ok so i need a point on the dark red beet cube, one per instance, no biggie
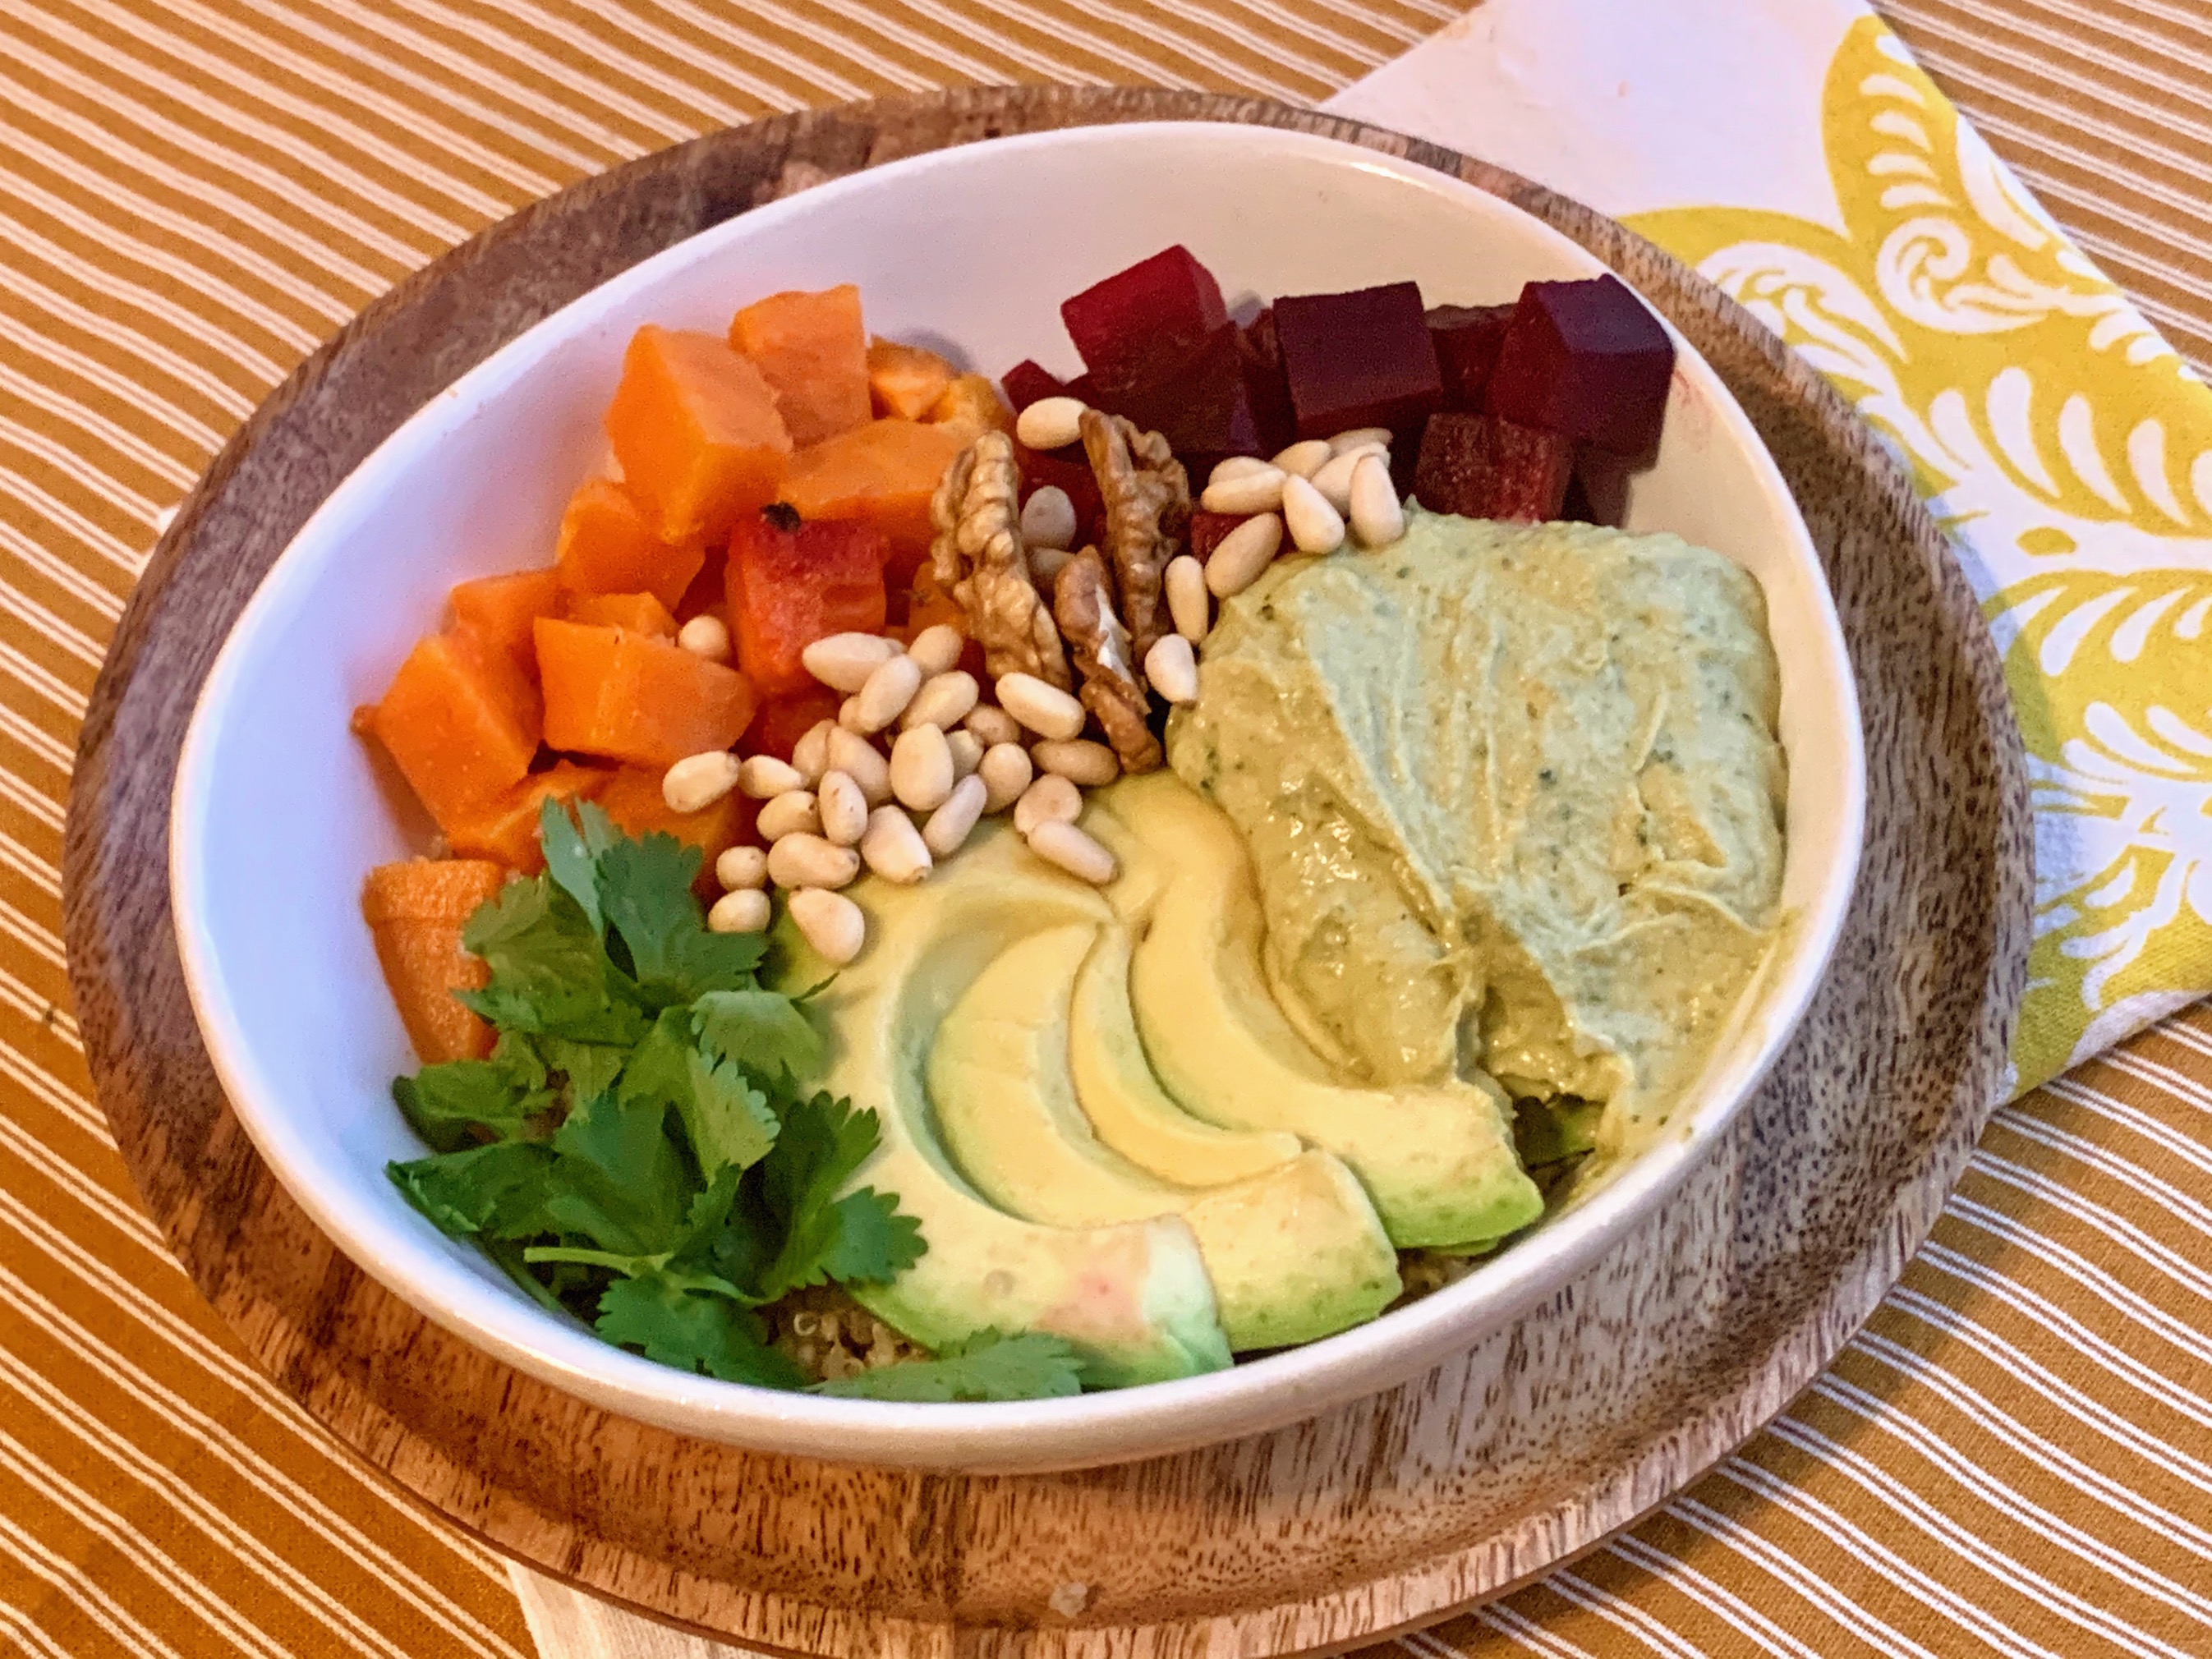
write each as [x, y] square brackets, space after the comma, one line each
[1071, 470]
[1467, 339]
[1261, 353]
[1588, 360]
[1025, 384]
[1359, 359]
[1207, 530]
[1168, 297]
[1192, 393]
[1599, 494]
[1481, 467]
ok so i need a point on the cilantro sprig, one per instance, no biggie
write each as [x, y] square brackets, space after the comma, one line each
[639, 1147]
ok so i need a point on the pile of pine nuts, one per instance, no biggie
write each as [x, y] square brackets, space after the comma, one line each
[896, 783]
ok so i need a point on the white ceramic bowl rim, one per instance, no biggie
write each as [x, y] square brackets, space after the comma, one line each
[1096, 1427]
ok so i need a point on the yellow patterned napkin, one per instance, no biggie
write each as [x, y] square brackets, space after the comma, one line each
[1794, 153]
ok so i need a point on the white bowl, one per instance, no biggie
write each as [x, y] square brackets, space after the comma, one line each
[277, 816]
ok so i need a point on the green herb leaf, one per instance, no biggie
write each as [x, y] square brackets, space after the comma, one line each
[728, 1120]
[764, 1030]
[590, 1067]
[443, 1102]
[861, 1237]
[500, 1190]
[621, 1183]
[571, 858]
[645, 887]
[550, 970]
[677, 1325]
[988, 1367]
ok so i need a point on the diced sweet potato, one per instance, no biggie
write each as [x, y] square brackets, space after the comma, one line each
[627, 697]
[1481, 467]
[507, 830]
[972, 404]
[641, 613]
[1588, 360]
[1467, 339]
[608, 546]
[782, 722]
[696, 427]
[1026, 383]
[791, 584]
[1167, 298]
[415, 912]
[929, 603]
[814, 353]
[632, 800]
[904, 380]
[882, 474]
[1359, 359]
[461, 720]
[499, 609]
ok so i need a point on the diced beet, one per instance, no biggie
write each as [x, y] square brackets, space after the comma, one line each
[1481, 467]
[1599, 494]
[1207, 531]
[1467, 339]
[1359, 359]
[1169, 297]
[1586, 359]
[1261, 354]
[1069, 470]
[1193, 394]
[1025, 383]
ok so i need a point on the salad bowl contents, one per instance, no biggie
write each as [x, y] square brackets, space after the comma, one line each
[932, 891]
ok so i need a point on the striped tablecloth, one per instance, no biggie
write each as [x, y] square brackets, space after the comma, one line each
[2014, 1457]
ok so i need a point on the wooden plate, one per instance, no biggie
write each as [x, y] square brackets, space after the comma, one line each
[1392, 1511]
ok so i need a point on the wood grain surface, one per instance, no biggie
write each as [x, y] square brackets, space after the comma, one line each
[1387, 1513]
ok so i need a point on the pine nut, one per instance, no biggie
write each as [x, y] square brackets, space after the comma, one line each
[844, 661]
[1187, 601]
[937, 647]
[1048, 519]
[810, 756]
[893, 847]
[741, 866]
[803, 860]
[1334, 480]
[1051, 799]
[793, 814]
[697, 781]
[1247, 492]
[1045, 565]
[1377, 518]
[1050, 422]
[862, 761]
[1073, 851]
[951, 824]
[967, 752]
[1303, 458]
[1005, 770]
[764, 777]
[1043, 707]
[992, 724]
[943, 702]
[707, 637]
[741, 910]
[844, 809]
[1244, 552]
[1359, 437]
[1080, 761]
[830, 922]
[1238, 466]
[1314, 525]
[885, 695]
[921, 769]
[1171, 668]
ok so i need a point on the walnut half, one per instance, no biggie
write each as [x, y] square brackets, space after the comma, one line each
[1148, 499]
[980, 559]
[1083, 603]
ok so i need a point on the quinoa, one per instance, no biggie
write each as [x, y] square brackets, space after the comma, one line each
[828, 1335]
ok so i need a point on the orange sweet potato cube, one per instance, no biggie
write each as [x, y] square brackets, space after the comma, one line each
[627, 696]
[695, 428]
[641, 613]
[506, 830]
[972, 404]
[415, 912]
[632, 800]
[812, 351]
[501, 609]
[905, 380]
[609, 545]
[461, 720]
[883, 474]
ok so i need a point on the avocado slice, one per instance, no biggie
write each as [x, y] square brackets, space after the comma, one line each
[1295, 1252]
[1132, 1296]
[1436, 1159]
[1127, 1106]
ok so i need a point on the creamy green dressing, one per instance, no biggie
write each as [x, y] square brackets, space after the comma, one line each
[1513, 797]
